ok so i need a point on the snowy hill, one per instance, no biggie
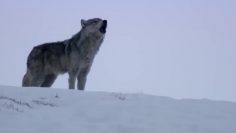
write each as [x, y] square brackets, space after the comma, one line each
[47, 110]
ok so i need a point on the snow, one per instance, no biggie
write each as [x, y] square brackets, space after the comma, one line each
[48, 110]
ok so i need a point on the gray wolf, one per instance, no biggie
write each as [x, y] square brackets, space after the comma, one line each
[73, 56]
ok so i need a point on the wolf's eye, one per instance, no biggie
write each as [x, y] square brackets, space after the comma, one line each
[94, 22]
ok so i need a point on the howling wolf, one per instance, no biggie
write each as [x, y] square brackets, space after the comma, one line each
[75, 56]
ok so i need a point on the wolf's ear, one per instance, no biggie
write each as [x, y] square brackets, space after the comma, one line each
[83, 22]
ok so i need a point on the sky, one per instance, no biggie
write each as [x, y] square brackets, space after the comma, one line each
[181, 49]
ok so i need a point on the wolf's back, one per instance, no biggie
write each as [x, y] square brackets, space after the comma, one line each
[43, 52]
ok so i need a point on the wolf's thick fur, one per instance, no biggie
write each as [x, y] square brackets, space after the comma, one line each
[74, 56]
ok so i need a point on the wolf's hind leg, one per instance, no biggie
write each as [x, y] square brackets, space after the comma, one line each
[26, 80]
[49, 80]
[37, 80]
[32, 79]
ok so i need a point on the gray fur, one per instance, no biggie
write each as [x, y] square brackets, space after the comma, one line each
[73, 56]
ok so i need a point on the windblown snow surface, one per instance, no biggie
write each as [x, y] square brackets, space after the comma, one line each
[47, 110]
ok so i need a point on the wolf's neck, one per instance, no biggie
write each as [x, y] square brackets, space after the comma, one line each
[76, 38]
[86, 43]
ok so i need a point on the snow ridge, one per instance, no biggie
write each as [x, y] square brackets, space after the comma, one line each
[50, 110]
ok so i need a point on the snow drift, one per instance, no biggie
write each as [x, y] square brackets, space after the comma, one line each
[47, 110]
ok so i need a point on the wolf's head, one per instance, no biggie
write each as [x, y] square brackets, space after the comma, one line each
[95, 26]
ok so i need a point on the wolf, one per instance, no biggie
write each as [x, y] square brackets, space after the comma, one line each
[73, 56]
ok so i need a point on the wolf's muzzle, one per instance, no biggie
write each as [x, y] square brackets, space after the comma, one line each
[104, 26]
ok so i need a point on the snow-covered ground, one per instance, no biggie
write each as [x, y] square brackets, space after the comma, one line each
[47, 110]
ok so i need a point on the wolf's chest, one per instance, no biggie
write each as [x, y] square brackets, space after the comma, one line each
[88, 51]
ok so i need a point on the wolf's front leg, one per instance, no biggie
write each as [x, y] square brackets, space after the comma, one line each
[82, 77]
[72, 78]
[81, 83]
